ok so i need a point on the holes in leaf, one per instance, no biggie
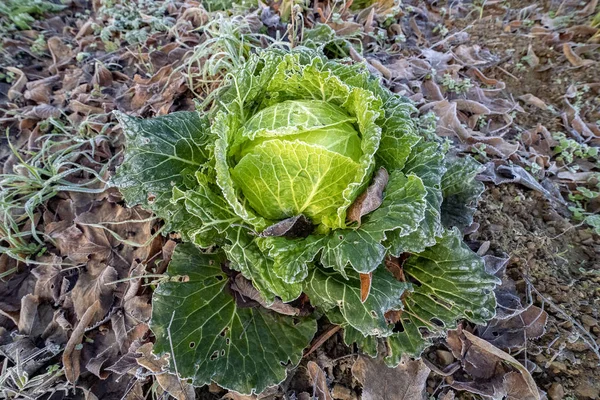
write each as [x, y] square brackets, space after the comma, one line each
[192, 345]
[373, 314]
[437, 322]
[222, 353]
[219, 277]
[224, 332]
[295, 321]
[398, 327]
[414, 281]
[214, 355]
[341, 237]
[227, 341]
[425, 333]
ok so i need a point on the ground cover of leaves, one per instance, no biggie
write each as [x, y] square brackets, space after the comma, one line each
[515, 83]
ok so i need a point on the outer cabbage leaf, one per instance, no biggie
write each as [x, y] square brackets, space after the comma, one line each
[402, 211]
[210, 338]
[328, 289]
[254, 264]
[367, 344]
[461, 191]
[161, 154]
[292, 257]
[427, 162]
[451, 284]
[399, 135]
[281, 179]
[211, 209]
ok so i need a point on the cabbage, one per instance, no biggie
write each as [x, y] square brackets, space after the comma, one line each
[267, 185]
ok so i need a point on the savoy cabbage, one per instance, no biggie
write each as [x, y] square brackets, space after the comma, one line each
[267, 184]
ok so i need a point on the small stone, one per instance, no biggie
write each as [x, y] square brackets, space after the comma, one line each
[307, 396]
[557, 367]
[586, 391]
[588, 321]
[342, 392]
[446, 358]
[556, 391]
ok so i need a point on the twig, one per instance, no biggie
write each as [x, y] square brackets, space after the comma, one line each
[584, 334]
[451, 369]
[323, 338]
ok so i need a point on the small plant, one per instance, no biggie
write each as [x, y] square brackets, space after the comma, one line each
[132, 21]
[20, 14]
[308, 182]
[458, 86]
[568, 149]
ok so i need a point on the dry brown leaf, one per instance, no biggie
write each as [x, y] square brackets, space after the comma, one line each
[513, 333]
[370, 199]
[50, 284]
[485, 363]
[534, 101]
[169, 382]
[573, 58]
[365, 286]
[449, 124]
[319, 382]
[62, 54]
[11, 293]
[35, 316]
[244, 287]
[18, 85]
[43, 111]
[405, 382]
[93, 287]
[71, 355]
[532, 59]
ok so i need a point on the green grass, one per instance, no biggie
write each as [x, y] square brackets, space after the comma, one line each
[228, 46]
[61, 162]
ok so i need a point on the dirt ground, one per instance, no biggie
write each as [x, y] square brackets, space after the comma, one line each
[553, 260]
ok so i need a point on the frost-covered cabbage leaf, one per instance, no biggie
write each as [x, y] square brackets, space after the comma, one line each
[267, 185]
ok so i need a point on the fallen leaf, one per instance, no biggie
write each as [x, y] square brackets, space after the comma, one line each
[18, 85]
[534, 101]
[319, 382]
[299, 226]
[513, 333]
[502, 173]
[573, 58]
[370, 199]
[71, 355]
[62, 54]
[485, 363]
[407, 381]
[169, 382]
[365, 286]
[93, 286]
[244, 287]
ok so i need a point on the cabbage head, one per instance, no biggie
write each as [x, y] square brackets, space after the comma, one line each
[308, 181]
